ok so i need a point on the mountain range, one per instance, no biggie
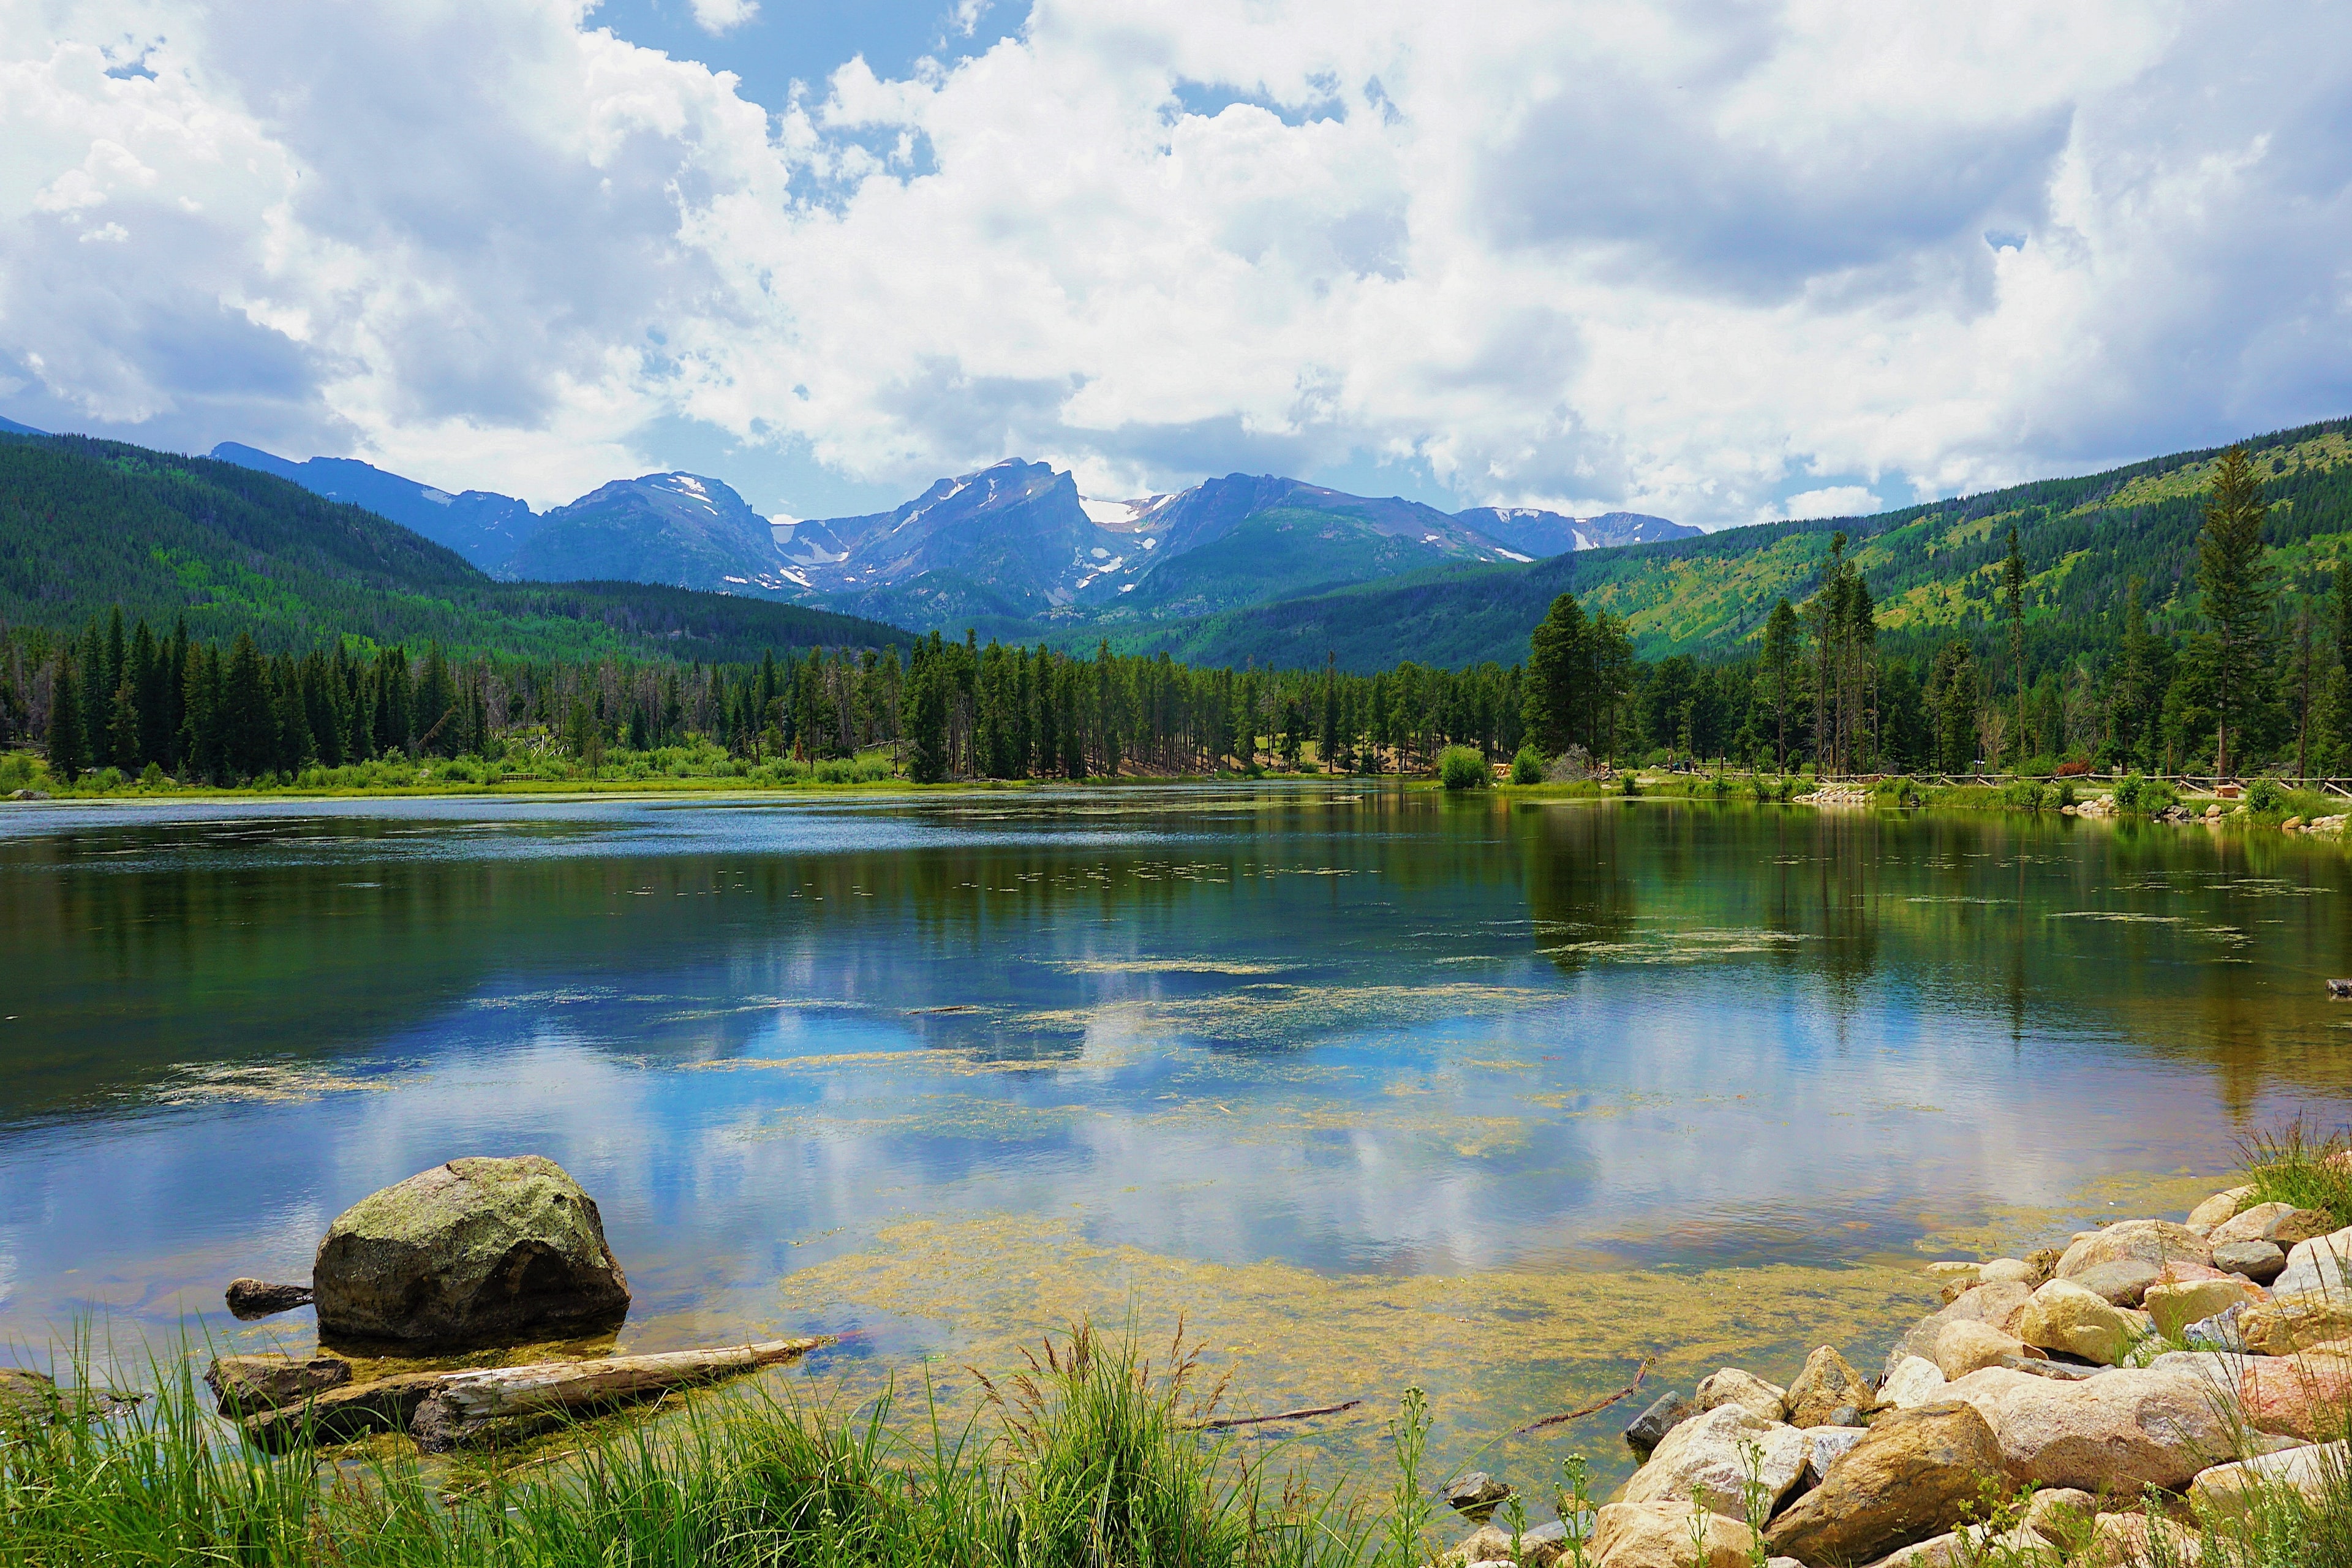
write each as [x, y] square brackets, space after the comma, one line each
[1013, 548]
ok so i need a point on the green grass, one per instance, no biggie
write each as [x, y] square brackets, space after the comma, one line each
[2290, 1166]
[1093, 1457]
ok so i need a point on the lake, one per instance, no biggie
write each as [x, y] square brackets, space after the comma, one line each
[1375, 1085]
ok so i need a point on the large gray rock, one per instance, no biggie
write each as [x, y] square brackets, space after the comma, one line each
[2111, 1434]
[473, 1252]
[2260, 1261]
[245, 1384]
[2322, 1266]
[1648, 1429]
[1765, 1401]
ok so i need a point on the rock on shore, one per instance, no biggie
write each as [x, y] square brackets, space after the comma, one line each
[477, 1251]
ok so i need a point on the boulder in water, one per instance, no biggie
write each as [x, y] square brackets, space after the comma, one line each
[474, 1252]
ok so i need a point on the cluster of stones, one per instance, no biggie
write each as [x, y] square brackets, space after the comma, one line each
[2042, 1377]
[2316, 824]
[1840, 794]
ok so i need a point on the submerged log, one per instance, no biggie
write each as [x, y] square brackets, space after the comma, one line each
[246, 1384]
[465, 1405]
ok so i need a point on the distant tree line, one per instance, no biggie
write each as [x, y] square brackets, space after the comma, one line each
[2245, 687]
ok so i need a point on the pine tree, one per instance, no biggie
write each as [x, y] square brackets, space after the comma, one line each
[2232, 581]
[69, 745]
[1559, 695]
[122, 745]
[248, 724]
[2012, 583]
[1780, 634]
[146, 675]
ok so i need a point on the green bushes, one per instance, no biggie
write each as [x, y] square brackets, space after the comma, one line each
[2144, 796]
[2022, 794]
[1527, 767]
[2262, 796]
[1463, 767]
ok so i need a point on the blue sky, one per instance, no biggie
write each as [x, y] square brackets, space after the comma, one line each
[1713, 262]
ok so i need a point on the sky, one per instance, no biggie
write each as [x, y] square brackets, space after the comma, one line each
[1720, 262]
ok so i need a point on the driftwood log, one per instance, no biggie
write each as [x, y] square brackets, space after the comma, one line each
[520, 1399]
[251, 1299]
[339, 1415]
[443, 1410]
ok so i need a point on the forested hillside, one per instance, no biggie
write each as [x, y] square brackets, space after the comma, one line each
[87, 526]
[1930, 569]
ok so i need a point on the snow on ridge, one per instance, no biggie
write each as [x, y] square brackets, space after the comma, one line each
[438, 497]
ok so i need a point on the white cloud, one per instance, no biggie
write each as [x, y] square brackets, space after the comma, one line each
[1834, 500]
[717, 17]
[1590, 255]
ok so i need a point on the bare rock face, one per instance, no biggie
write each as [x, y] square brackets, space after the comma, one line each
[2063, 1316]
[2155, 1241]
[474, 1252]
[1964, 1347]
[2302, 1396]
[1996, 1304]
[2175, 1307]
[245, 1384]
[1658, 1535]
[2322, 1266]
[1704, 1461]
[2235, 1489]
[1913, 1477]
[2282, 1225]
[2289, 1323]
[1765, 1401]
[2260, 1261]
[1829, 1393]
[2217, 1210]
[2114, 1432]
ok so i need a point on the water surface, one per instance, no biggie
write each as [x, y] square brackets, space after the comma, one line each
[1377, 1086]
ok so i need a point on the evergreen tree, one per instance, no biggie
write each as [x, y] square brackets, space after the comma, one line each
[69, 743]
[123, 744]
[1780, 691]
[2233, 585]
[927, 713]
[2013, 582]
[249, 725]
[1559, 689]
[147, 674]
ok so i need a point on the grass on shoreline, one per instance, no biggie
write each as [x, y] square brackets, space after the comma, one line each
[1094, 1456]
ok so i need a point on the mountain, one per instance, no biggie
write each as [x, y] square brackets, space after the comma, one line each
[1540, 533]
[1014, 540]
[680, 529]
[1015, 547]
[10, 427]
[483, 527]
[85, 525]
[1933, 569]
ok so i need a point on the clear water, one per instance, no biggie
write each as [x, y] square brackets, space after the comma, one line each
[1378, 1087]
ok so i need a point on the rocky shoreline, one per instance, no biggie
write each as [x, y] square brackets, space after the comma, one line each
[2095, 1405]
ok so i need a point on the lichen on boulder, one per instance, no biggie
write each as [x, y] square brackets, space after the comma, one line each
[474, 1252]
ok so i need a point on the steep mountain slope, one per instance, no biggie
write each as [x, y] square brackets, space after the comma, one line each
[1017, 543]
[480, 525]
[10, 427]
[1934, 570]
[85, 525]
[1540, 533]
[680, 529]
[1010, 540]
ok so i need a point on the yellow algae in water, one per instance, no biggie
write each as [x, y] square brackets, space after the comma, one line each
[1496, 1350]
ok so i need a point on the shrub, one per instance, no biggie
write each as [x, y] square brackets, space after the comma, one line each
[2262, 796]
[1527, 767]
[2022, 794]
[2075, 769]
[1461, 767]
